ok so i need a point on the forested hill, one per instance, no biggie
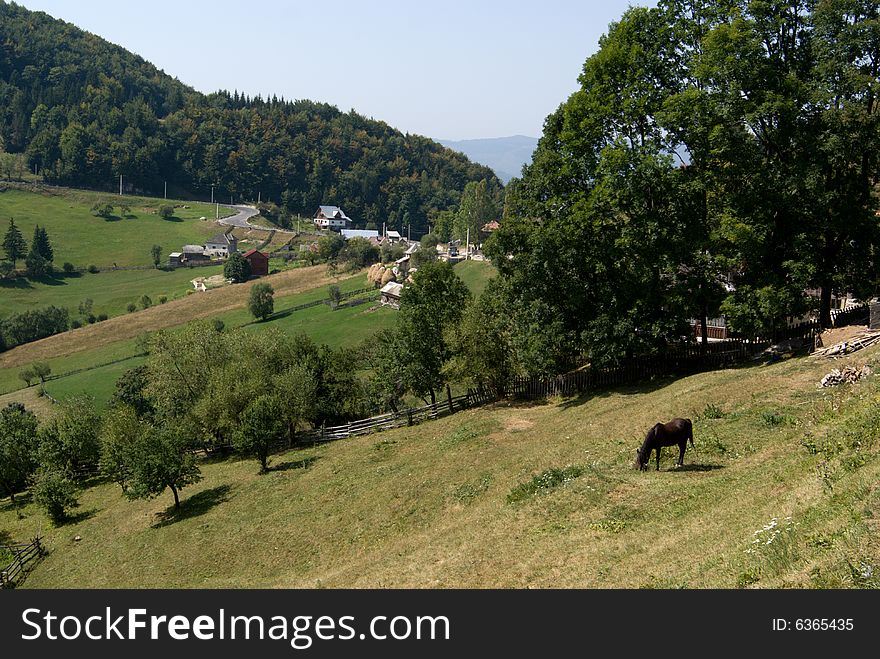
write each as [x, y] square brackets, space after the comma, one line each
[85, 111]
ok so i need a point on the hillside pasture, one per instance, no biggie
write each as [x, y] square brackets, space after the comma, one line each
[431, 505]
[81, 238]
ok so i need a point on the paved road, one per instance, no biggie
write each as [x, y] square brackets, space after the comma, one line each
[245, 213]
[240, 219]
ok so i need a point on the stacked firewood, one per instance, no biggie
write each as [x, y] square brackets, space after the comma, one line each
[850, 374]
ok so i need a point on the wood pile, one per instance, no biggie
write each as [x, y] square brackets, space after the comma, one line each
[850, 374]
[857, 342]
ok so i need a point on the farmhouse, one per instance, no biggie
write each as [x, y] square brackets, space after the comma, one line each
[223, 244]
[390, 294]
[189, 255]
[331, 217]
[258, 261]
[393, 236]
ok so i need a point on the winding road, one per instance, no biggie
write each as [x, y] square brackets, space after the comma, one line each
[242, 217]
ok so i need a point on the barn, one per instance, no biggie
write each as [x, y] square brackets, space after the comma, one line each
[259, 262]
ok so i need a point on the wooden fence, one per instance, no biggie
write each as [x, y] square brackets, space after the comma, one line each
[14, 573]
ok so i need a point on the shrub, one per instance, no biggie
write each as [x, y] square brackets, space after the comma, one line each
[131, 307]
[55, 493]
[102, 210]
[76, 323]
[163, 299]
[545, 481]
[146, 302]
[91, 319]
[93, 269]
[102, 317]
[68, 267]
[166, 212]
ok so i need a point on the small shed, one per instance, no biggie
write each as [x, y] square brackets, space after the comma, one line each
[875, 315]
[258, 261]
[390, 294]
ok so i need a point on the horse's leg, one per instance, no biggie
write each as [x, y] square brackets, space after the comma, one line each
[681, 450]
[658, 458]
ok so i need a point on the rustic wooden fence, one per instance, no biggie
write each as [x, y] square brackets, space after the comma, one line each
[23, 554]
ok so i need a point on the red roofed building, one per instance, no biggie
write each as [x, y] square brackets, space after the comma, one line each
[259, 262]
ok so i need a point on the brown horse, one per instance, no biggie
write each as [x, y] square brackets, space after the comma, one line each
[678, 431]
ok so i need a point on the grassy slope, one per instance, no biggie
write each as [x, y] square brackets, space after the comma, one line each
[475, 274]
[110, 291]
[81, 238]
[427, 506]
[97, 345]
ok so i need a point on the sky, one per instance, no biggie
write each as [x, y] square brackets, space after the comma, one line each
[455, 69]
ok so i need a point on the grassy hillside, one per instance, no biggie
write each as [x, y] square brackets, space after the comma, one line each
[82, 239]
[92, 347]
[110, 291]
[454, 502]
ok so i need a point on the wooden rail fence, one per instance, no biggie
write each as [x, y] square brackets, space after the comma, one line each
[14, 573]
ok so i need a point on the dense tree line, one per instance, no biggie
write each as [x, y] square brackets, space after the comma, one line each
[89, 111]
[718, 157]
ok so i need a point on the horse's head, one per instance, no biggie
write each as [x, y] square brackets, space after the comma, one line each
[643, 454]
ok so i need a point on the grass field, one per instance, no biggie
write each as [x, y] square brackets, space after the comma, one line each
[475, 274]
[110, 291]
[82, 239]
[522, 495]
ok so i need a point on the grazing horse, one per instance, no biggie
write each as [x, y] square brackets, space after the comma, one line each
[677, 431]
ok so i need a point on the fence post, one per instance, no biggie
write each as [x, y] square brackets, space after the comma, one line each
[449, 398]
[409, 416]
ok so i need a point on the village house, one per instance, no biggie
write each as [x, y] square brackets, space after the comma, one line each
[223, 244]
[258, 261]
[331, 217]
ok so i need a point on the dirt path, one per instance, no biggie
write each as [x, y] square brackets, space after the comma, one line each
[177, 312]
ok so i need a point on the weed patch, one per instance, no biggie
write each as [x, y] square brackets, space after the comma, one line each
[542, 482]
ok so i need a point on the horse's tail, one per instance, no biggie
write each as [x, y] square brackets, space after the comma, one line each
[691, 434]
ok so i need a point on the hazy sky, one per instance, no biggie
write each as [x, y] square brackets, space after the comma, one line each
[455, 69]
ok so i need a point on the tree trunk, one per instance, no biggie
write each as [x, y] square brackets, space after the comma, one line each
[176, 497]
[825, 307]
[264, 463]
[433, 397]
[704, 326]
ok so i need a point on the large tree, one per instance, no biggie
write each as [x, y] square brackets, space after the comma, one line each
[14, 243]
[18, 447]
[415, 352]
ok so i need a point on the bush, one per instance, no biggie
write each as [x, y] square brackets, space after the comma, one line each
[102, 210]
[68, 267]
[131, 307]
[76, 323]
[91, 319]
[163, 299]
[55, 493]
[146, 302]
[102, 317]
[93, 269]
[166, 212]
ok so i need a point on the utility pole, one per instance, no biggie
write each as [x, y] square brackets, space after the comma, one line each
[218, 212]
[212, 193]
[120, 185]
[408, 227]
[259, 197]
[166, 189]
[467, 249]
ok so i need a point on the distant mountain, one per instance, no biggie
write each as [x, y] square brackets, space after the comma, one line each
[84, 112]
[505, 155]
